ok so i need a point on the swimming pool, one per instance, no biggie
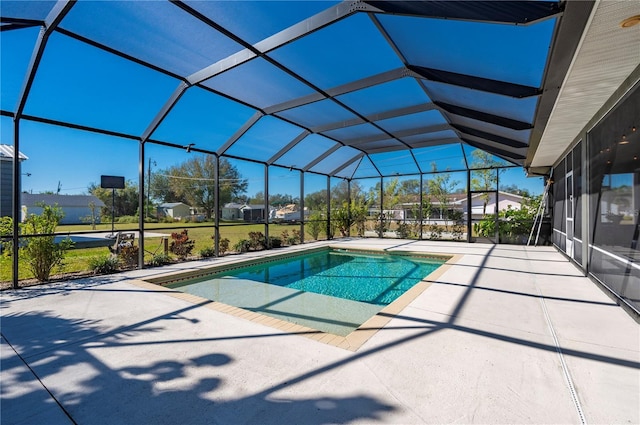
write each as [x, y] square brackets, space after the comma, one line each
[333, 291]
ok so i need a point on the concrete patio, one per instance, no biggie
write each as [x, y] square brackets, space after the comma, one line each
[507, 334]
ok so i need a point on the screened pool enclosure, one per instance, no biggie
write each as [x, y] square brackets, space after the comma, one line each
[418, 114]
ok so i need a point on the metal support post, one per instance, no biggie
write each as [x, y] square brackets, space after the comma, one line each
[497, 213]
[266, 205]
[381, 228]
[16, 201]
[302, 217]
[420, 209]
[469, 209]
[216, 203]
[349, 206]
[329, 235]
[141, 205]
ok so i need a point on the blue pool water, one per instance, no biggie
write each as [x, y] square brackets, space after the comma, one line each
[333, 291]
[374, 279]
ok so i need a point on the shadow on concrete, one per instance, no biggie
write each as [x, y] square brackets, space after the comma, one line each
[181, 390]
[186, 390]
[526, 294]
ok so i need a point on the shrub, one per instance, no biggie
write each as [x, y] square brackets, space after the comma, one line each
[103, 264]
[257, 241]
[242, 245]
[403, 231]
[295, 238]
[181, 245]
[332, 229]
[348, 215]
[458, 227]
[159, 260]
[314, 225]
[435, 232]
[42, 253]
[128, 219]
[128, 255]
[6, 231]
[223, 246]
[275, 242]
[382, 224]
[341, 219]
[514, 224]
[207, 252]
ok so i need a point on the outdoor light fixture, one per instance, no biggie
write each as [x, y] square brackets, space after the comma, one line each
[629, 22]
[189, 146]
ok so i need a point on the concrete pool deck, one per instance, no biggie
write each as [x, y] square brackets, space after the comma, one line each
[507, 334]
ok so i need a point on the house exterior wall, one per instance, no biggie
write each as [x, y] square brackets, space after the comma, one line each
[6, 188]
[478, 210]
[231, 213]
[75, 208]
[174, 211]
[595, 200]
[179, 211]
[72, 215]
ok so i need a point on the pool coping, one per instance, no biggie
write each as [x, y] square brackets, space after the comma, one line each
[351, 342]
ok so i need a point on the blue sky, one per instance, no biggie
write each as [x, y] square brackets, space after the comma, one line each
[86, 86]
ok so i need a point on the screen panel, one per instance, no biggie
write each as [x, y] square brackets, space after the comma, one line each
[335, 62]
[203, 118]
[156, 32]
[516, 54]
[108, 92]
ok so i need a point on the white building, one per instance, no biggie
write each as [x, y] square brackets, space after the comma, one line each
[6, 179]
[77, 209]
[176, 210]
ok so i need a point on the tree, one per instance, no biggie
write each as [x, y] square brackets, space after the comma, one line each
[92, 218]
[161, 188]
[512, 188]
[340, 193]
[316, 200]
[485, 174]
[194, 182]
[257, 199]
[409, 189]
[277, 200]
[391, 193]
[126, 200]
[440, 186]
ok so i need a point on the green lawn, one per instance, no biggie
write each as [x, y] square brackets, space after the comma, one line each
[77, 260]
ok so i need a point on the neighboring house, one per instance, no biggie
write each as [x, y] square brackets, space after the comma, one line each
[232, 211]
[176, 210]
[478, 210]
[457, 202]
[290, 212]
[6, 179]
[76, 208]
[255, 213]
